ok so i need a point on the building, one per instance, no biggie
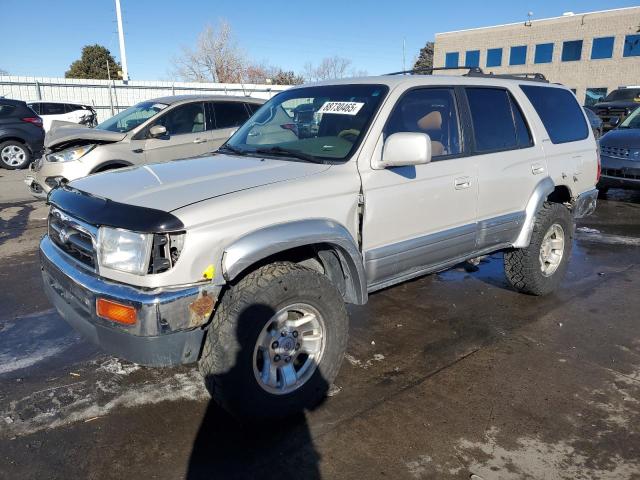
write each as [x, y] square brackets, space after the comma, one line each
[591, 53]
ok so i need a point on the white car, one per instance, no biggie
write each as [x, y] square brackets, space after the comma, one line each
[64, 112]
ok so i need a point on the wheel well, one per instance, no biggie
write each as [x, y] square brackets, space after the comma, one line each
[16, 139]
[560, 194]
[110, 166]
[323, 258]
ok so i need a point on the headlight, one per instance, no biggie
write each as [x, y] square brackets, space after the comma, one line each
[124, 250]
[70, 154]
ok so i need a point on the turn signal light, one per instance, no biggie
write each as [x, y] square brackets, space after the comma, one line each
[116, 312]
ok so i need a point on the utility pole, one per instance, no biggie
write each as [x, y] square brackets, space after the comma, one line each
[404, 47]
[123, 53]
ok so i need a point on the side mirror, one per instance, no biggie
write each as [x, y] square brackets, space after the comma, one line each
[157, 131]
[406, 148]
[614, 121]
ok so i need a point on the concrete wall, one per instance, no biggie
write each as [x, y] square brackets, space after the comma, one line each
[579, 75]
[108, 97]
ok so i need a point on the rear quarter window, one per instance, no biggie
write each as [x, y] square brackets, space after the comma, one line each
[6, 110]
[559, 111]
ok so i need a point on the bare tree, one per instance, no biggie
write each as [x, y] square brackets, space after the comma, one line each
[329, 68]
[3, 72]
[215, 58]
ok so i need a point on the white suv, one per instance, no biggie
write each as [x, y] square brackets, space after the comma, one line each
[243, 261]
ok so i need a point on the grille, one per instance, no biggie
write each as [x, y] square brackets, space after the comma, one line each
[617, 152]
[74, 237]
[615, 172]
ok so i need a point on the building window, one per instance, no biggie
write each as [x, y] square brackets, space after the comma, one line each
[571, 50]
[631, 46]
[494, 57]
[451, 59]
[594, 95]
[518, 55]
[544, 53]
[472, 58]
[602, 48]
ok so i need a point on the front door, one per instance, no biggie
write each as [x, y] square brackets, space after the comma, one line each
[186, 134]
[419, 217]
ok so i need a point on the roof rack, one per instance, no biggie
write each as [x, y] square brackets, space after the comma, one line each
[477, 72]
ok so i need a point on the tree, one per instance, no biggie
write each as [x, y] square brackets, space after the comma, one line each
[282, 77]
[425, 57]
[3, 72]
[93, 64]
[215, 58]
[328, 69]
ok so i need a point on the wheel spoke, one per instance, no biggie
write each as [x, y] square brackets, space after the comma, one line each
[269, 371]
[288, 375]
[299, 322]
[312, 343]
[557, 243]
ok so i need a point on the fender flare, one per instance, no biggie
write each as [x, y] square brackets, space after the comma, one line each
[540, 193]
[262, 243]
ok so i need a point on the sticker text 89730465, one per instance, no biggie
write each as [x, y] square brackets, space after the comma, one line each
[341, 108]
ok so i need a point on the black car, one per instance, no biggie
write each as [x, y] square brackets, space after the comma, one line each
[21, 134]
[620, 155]
[617, 106]
[594, 121]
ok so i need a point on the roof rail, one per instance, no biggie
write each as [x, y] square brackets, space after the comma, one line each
[533, 76]
[430, 70]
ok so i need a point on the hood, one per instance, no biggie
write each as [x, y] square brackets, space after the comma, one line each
[75, 135]
[622, 137]
[169, 186]
[617, 104]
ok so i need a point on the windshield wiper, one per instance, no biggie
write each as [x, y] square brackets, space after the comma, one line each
[229, 148]
[286, 152]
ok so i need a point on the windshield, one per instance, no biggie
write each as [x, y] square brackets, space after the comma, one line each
[632, 121]
[132, 117]
[624, 94]
[310, 123]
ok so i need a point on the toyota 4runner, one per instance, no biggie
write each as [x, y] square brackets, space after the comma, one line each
[243, 261]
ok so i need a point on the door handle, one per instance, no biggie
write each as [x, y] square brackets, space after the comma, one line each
[461, 183]
[200, 140]
[537, 169]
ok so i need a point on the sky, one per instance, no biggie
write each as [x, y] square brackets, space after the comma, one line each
[43, 37]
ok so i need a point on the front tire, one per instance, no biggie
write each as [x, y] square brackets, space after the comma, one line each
[539, 268]
[276, 342]
[14, 155]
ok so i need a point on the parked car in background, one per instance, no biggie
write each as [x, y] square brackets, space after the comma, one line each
[595, 121]
[21, 134]
[620, 155]
[157, 130]
[617, 106]
[64, 112]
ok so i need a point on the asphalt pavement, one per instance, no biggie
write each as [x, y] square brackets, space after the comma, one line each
[446, 376]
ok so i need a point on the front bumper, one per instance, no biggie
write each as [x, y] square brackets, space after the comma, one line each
[44, 175]
[619, 173]
[164, 333]
[585, 203]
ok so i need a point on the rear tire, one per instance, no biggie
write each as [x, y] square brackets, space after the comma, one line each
[250, 337]
[539, 268]
[14, 155]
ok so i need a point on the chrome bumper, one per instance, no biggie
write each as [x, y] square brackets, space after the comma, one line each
[585, 203]
[169, 328]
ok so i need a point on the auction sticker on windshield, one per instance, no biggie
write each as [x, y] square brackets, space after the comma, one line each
[341, 108]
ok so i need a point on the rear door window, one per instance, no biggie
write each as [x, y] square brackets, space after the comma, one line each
[230, 114]
[6, 110]
[35, 107]
[52, 108]
[492, 120]
[559, 111]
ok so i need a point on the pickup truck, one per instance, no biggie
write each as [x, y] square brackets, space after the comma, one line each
[244, 260]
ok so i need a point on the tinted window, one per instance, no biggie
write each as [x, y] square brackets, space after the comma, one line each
[451, 59]
[602, 48]
[432, 111]
[52, 108]
[72, 107]
[595, 95]
[518, 55]
[523, 135]
[494, 57]
[183, 119]
[472, 58]
[6, 110]
[493, 125]
[230, 114]
[559, 111]
[631, 46]
[571, 50]
[544, 53]
[253, 107]
[35, 107]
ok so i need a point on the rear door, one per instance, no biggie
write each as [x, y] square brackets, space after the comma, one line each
[50, 111]
[228, 116]
[510, 165]
[186, 134]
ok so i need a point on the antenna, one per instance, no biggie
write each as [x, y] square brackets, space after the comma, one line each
[527, 23]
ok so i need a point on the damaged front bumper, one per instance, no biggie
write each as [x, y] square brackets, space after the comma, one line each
[170, 324]
[585, 204]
